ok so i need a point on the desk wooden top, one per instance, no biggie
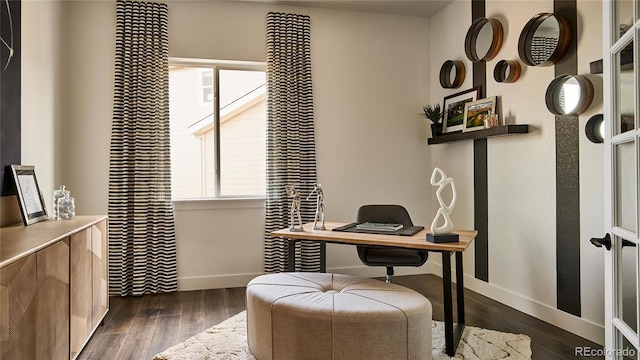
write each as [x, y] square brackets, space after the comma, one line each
[417, 241]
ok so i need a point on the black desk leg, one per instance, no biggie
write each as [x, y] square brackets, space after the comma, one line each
[460, 289]
[448, 303]
[291, 255]
[452, 335]
[323, 257]
[457, 335]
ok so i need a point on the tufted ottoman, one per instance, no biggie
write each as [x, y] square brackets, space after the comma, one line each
[307, 316]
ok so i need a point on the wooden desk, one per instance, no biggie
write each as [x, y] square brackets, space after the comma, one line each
[417, 241]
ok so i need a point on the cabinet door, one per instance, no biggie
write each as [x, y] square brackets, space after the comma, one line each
[18, 287]
[52, 302]
[81, 290]
[100, 271]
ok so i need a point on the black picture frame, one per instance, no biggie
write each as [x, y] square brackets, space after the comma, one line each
[453, 109]
[32, 205]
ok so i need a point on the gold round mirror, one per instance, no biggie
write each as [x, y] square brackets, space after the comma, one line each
[544, 40]
[507, 71]
[483, 40]
[569, 95]
[452, 74]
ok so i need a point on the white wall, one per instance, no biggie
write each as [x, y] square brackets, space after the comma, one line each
[41, 100]
[521, 171]
[370, 82]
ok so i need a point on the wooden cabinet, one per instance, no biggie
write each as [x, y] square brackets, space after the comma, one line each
[89, 297]
[53, 287]
[99, 261]
[81, 290]
[18, 288]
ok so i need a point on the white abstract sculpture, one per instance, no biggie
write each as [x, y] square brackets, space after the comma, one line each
[294, 212]
[438, 178]
[319, 216]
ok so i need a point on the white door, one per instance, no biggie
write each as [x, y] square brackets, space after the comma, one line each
[621, 28]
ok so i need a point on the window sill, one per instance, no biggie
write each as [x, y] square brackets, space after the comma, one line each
[219, 203]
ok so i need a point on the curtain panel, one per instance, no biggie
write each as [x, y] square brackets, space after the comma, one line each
[142, 249]
[291, 157]
[542, 48]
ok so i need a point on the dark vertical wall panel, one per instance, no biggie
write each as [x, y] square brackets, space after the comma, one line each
[481, 201]
[568, 181]
[9, 92]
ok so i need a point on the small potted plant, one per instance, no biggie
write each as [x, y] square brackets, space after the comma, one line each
[435, 114]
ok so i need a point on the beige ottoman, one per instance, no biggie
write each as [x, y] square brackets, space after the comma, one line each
[307, 316]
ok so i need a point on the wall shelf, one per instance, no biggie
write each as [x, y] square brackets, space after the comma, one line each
[480, 134]
[626, 61]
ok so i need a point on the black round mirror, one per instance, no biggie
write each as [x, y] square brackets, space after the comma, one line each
[452, 74]
[507, 71]
[483, 40]
[595, 129]
[569, 95]
[544, 40]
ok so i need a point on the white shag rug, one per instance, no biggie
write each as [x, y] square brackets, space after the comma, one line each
[228, 341]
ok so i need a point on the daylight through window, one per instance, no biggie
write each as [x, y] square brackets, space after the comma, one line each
[218, 128]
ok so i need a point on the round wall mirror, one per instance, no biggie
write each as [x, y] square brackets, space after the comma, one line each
[483, 40]
[569, 95]
[507, 71]
[595, 129]
[452, 74]
[544, 40]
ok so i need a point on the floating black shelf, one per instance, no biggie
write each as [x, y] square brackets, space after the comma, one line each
[479, 134]
[626, 62]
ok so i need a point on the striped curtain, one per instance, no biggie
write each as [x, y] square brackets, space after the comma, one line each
[291, 157]
[142, 249]
[542, 48]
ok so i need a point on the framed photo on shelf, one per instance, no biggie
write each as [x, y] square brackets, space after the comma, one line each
[32, 205]
[476, 112]
[453, 108]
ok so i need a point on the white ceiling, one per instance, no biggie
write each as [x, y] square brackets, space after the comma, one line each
[422, 8]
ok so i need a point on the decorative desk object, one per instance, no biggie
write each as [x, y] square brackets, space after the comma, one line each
[294, 212]
[63, 204]
[319, 207]
[442, 234]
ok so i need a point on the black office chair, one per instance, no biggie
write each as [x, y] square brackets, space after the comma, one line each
[387, 256]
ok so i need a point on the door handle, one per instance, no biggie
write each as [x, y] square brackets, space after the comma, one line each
[605, 241]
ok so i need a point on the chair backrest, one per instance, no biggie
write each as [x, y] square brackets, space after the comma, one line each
[390, 214]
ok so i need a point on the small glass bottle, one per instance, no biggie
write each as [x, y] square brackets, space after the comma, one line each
[58, 196]
[68, 207]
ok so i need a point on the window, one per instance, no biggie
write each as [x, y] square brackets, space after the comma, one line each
[218, 129]
[207, 86]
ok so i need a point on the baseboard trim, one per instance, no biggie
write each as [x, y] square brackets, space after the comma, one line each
[241, 280]
[576, 325]
[215, 282]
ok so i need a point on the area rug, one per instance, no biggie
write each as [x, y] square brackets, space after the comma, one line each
[228, 341]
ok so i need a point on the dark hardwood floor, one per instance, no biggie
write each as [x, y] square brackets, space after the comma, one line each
[140, 327]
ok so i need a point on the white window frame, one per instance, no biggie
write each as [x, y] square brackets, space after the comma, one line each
[218, 65]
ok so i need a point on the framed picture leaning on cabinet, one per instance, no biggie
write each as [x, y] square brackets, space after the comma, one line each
[32, 205]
